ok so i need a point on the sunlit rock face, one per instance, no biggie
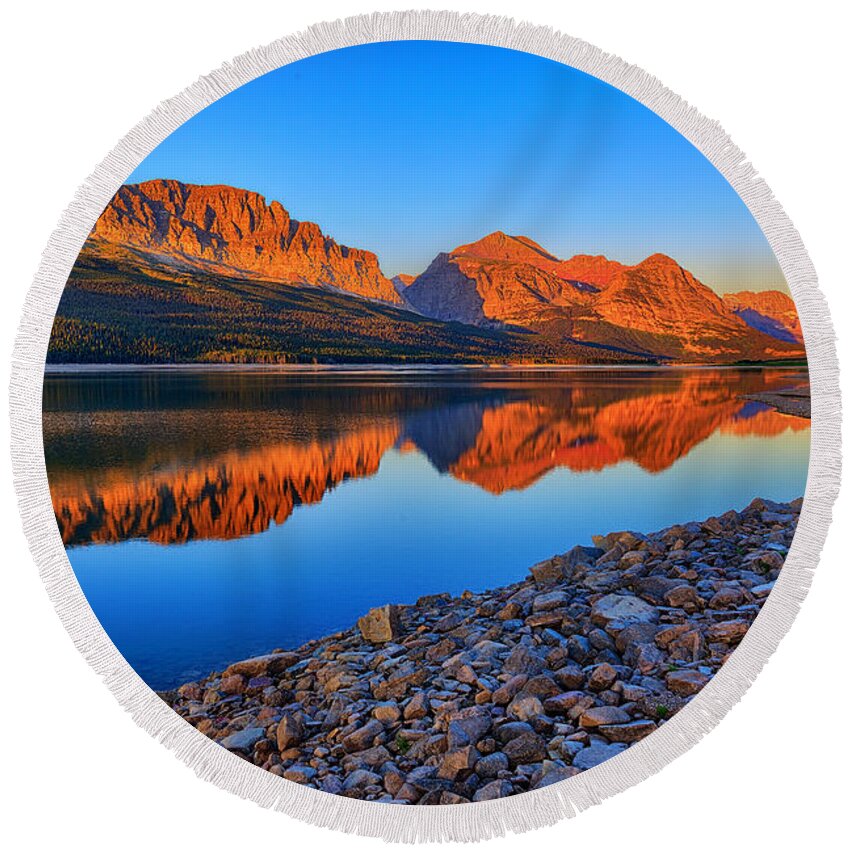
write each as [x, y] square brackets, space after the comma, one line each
[167, 258]
[772, 312]
[656, 306]
[220, 228]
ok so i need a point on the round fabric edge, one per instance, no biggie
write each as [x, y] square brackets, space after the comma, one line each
[428, 823]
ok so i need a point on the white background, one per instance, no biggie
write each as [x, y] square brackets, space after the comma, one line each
[77, 76]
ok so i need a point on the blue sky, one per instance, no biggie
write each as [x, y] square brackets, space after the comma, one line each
[412, 148]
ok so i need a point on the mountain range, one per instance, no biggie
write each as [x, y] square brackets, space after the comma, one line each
[174, 272]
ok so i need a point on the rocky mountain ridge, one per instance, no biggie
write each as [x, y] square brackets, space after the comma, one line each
[223, 229]
[655, 306]
[572, 310]
[771, 311]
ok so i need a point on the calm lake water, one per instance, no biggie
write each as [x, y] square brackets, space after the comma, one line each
[211, 515]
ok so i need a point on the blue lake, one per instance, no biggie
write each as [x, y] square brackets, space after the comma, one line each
[210, 515]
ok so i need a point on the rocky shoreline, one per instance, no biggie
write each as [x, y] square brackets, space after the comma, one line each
[792, 402]
[486, 695]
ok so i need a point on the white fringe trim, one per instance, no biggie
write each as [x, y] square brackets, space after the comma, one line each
[426, 823]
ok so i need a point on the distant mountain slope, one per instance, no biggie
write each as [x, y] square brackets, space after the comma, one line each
[659, 296]
[402, 281]
[118, 309]
[503, 279]
[771, 312]
[227, 230]
[655, 307]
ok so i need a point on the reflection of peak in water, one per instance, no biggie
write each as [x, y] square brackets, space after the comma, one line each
[499, 442]
[519, 443]
[236, 494]
[445, 433]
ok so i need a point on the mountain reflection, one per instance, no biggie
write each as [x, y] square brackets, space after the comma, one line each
[173, 457]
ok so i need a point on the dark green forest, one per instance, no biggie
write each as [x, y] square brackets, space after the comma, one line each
[114, 310]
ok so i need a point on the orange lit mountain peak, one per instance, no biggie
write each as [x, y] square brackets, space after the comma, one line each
[227, 230]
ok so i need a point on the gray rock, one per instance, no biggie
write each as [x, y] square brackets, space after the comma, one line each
[523, 660]
[582, 555]
[362, 738]
[302, 774]
[525, 749]
[549, 601]
[569, 677]
[644, 657]
[579, 648]
[570, 749]
[490, 766]
[654, 588]
[474, 722]
[552, 773]
[508, 731]
[360, 779]
[594, 755]
[448, 622]
[332, 785]
[625, 609]
[243, 740]
[493, 791]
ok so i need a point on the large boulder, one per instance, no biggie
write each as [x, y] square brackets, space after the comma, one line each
[491, 766]
[290, 732]
[525, 706]
[380, 625]
[362, 738]
[730, 631]
[582, 555]
[262, 665]
[244, 740]
[627, 733]
[548, 572]
[525, 749]
[458, 763]
[603, 715]
[622, 609]
[551, 772]
[495, 790]
[550, 601]
[686, 682]
[596, 754]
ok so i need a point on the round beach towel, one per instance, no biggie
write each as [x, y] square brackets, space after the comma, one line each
[426, 425]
